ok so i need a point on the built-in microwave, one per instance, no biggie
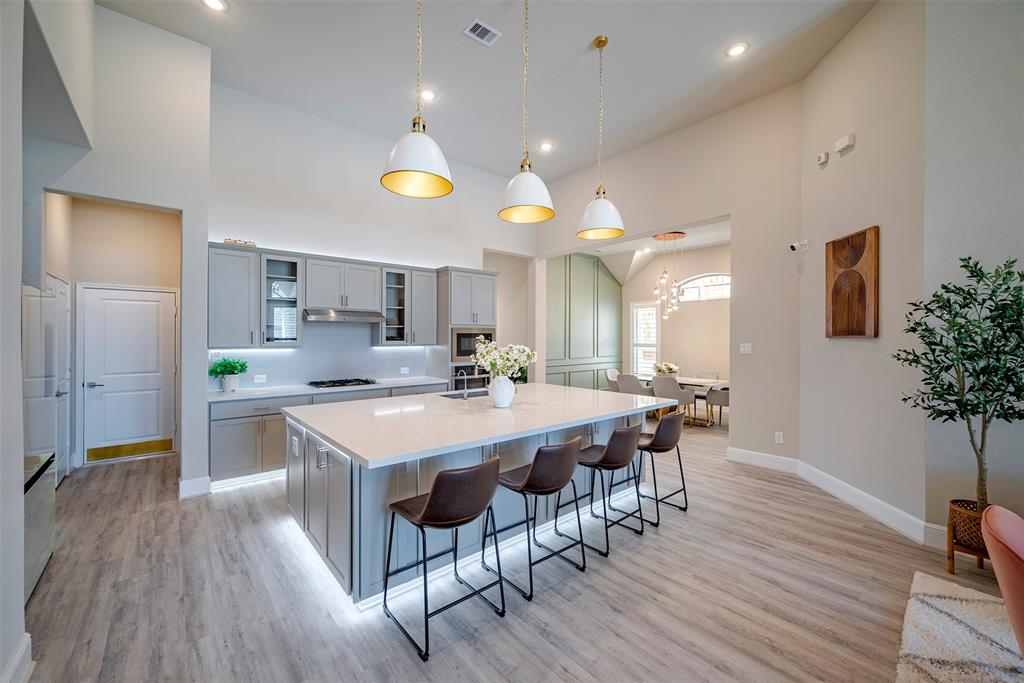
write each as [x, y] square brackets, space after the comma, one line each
[464, 341]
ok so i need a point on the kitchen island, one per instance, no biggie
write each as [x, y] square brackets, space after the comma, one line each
[348, 461]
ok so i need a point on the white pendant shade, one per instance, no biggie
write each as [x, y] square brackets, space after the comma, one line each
[416, 167]
[601, 221]
[527, 200]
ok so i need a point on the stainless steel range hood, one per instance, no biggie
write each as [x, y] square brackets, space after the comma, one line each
[335, 315]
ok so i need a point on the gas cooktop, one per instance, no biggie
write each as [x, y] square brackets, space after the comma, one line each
[328, 383]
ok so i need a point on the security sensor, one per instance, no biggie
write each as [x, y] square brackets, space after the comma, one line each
[800, 245]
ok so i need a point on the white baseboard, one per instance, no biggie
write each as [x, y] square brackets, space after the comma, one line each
[893, 517]
[766, 460]
[187, 488]
[19, 667]
[935, 535]
[247, 479]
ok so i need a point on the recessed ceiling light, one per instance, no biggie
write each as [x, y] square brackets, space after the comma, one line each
[216, 5]
[736, 49]
[547, 146]
[427, 95]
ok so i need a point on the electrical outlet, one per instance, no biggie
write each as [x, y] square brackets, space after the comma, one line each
[779, 438]
[404, 371]
[215, 355]
[259, 379]
[746, 348]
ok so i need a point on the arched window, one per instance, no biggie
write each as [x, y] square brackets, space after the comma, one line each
[706, 287]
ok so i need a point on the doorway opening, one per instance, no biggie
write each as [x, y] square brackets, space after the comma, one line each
[114, 276]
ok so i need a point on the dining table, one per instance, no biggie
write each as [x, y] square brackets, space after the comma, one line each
[699, 384]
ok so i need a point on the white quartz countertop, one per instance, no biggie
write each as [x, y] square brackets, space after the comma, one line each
[387, 431]
[306, 390]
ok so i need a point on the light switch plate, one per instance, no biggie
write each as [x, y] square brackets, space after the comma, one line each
[404, 371]
[746, 348]
[259, 379]
[779, 438]
[215, 355]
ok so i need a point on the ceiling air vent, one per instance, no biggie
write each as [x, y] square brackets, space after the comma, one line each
[482, 33]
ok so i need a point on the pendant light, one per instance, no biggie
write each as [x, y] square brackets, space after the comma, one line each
[601, 220]
[416, 166]
[527, 199]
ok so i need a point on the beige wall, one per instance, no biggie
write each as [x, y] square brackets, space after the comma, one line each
[58, 235]
[974, 204]
[513, 279]
[743, 164]
[852, 422]
[696, 337]
[124, 245]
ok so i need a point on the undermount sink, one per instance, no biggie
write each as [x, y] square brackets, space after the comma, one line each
[472, 394]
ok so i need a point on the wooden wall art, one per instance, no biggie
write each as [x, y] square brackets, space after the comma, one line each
[851, 285]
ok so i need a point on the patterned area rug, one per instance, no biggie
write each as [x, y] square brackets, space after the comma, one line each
[952, 633]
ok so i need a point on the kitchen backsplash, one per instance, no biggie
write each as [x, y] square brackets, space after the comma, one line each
[328, 351]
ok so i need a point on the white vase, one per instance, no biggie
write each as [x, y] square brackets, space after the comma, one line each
[502, 392]
[229, 382]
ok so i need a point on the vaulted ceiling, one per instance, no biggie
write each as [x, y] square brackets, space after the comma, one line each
[354, 63]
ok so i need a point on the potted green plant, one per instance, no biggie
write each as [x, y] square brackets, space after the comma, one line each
[971, 352]
[229, 370]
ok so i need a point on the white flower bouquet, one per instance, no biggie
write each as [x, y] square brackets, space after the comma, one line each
[503, 361]
[666, 368]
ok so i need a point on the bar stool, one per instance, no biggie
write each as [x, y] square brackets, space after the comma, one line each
[550, 472]
[665, 438]
[456, 498]
[618, 454]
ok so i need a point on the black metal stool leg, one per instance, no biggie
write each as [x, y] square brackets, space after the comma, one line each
[639, 507]
[655, 498]
[422, 652]
[425, 653]
[593, 473]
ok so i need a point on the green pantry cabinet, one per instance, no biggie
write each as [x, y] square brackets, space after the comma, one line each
[584, 321]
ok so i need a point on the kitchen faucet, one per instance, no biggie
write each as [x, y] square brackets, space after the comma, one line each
[465, 384]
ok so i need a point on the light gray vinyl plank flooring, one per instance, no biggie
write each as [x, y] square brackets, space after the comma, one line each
[765, 578]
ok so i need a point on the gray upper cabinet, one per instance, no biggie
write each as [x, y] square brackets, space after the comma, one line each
[473, 299]
[325, 281]
[233, 299]
[362, 287]
[422, 307]
[281, 301]
[337, 284]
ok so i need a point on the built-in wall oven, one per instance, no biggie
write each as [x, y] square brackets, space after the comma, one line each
[464, 341]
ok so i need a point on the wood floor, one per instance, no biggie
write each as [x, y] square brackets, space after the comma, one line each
[765, 578]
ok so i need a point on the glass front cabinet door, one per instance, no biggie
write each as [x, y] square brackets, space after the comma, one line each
[281, 280]
[396, 307]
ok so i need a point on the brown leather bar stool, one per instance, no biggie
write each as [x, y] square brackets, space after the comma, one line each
[618, 454]
[550, 472]
[456, 498]
[665, 438]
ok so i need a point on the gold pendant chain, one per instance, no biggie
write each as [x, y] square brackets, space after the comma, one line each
[419, 56]
[526, 78]
[600, 114]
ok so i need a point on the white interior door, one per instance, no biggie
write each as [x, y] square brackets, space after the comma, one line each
[38, 370]
[61, 339]
[128, 368]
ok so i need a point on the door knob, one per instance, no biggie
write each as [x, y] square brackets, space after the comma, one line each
[93, 385]
[60, 393]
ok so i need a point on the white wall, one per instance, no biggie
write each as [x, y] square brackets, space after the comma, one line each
[973, 203]
[696, 337]
[150, 146]
[15, 645]
[57, 243]
[513, 297]
[67, 27]
[743, 163]
[289, 180]
[852, 422]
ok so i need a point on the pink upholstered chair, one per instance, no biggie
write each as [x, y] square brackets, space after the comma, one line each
[1004, 538]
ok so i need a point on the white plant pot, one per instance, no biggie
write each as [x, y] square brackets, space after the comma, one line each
[229, 382]
[502, 392]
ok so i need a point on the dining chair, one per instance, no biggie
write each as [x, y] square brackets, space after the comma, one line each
[668, 387]
[718, 395]
[630, 384]
[611, 375]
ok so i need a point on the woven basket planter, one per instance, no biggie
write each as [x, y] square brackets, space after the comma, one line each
[963, 533]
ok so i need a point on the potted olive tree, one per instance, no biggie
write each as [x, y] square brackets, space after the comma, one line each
[229, 370]
[971, 353]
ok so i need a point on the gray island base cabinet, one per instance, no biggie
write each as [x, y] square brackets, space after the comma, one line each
[346, 513]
